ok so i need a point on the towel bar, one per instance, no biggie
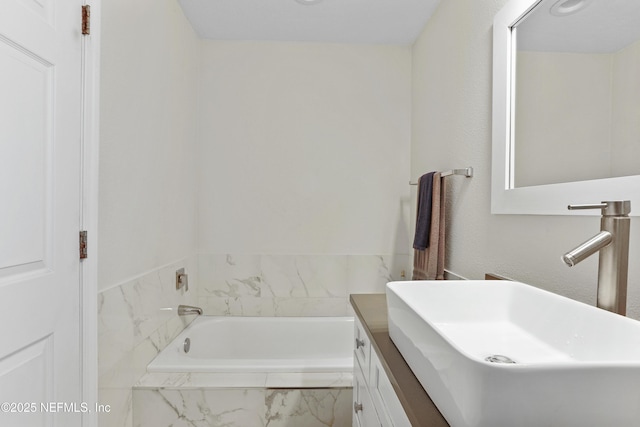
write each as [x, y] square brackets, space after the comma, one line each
[467, 172]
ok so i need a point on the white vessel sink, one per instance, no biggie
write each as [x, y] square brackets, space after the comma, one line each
[574, 364]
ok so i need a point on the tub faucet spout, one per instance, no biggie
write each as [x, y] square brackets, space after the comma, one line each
[186, 310]
[613, 244]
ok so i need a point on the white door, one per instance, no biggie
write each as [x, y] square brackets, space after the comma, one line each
[40, 133]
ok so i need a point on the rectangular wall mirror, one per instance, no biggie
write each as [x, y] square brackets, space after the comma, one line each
[566, 105]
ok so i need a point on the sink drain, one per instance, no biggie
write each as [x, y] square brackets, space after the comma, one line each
[498, 358]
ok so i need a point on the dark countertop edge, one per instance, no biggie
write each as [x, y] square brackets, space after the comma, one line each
[371, 309]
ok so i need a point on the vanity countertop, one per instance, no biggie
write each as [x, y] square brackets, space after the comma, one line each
[420, 409]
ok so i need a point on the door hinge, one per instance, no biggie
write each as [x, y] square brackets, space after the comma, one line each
[83, 244]
[86, 20]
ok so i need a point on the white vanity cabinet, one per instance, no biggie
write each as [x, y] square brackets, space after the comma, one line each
[364, 412]
[386, 393]
[362, 348]
[375, 403]
[384, 397]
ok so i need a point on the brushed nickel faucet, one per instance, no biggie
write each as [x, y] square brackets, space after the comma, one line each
[613, 244]
[186, 310]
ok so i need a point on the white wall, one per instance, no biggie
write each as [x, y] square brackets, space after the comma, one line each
[147, 196]
[452, 128]
[304, 148]
[147, 200]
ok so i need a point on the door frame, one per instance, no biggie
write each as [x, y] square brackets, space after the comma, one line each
[89, 211]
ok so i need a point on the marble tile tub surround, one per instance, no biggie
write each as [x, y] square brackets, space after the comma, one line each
[292, 285]
[134, 328]
[242, 407]
[136, 320]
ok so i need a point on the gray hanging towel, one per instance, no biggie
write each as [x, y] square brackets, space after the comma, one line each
[423, 212]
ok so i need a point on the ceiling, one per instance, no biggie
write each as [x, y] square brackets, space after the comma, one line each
[329, 21]
[602, 26]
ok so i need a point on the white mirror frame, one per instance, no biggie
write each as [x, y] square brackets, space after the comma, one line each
[540, 199]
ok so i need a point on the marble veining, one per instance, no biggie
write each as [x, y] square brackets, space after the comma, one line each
[291, 285]
[228, 407]
[308, 408]
[136, 320]
[198, 408]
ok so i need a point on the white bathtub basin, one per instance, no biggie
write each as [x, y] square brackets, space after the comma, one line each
[260, 344]
[575, 365]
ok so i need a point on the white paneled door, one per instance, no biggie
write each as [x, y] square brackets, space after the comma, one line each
[40, 184]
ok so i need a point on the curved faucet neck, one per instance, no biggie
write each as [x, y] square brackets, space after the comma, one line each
[613, 245]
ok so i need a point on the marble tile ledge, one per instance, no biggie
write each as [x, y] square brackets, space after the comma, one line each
[207, 380]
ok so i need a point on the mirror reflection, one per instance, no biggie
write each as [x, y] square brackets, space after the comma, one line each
[577, 92]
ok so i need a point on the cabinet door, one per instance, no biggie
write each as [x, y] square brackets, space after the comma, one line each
[362, 347]
[384, 397]
[357, 393]
[364, 413]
